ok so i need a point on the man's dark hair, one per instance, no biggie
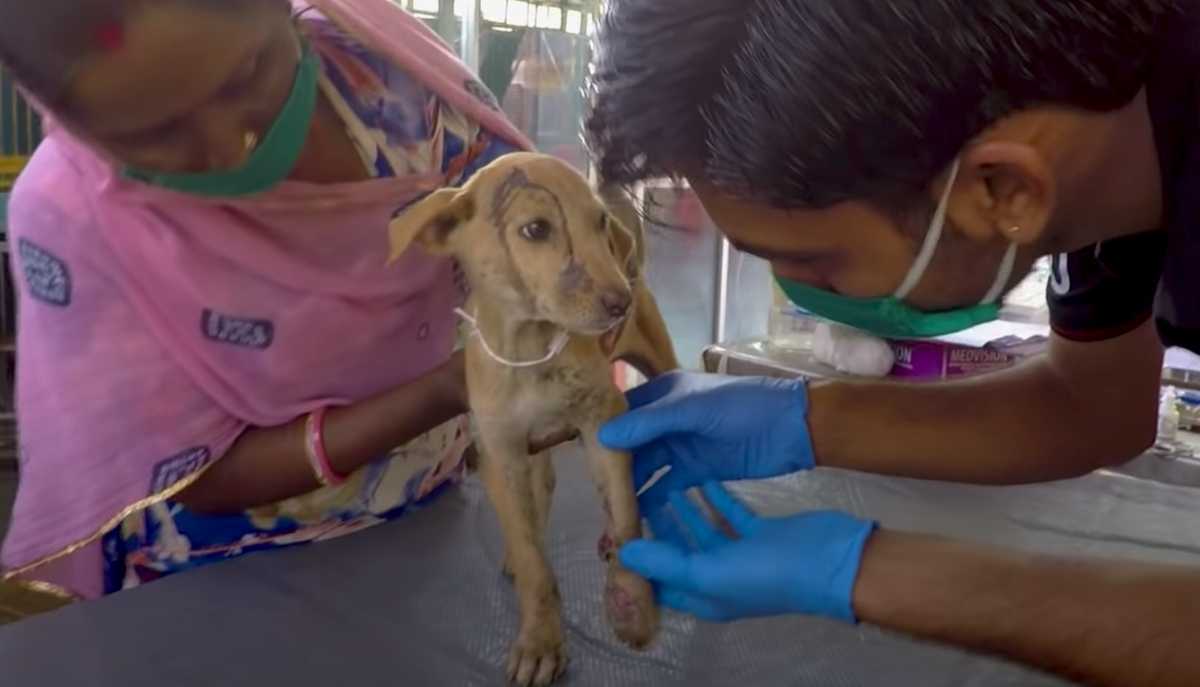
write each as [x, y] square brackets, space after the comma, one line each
[807, 103]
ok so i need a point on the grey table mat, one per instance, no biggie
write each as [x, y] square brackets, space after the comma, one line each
[421, 601]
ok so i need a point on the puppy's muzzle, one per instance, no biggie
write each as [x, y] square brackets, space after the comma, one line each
[616, 303]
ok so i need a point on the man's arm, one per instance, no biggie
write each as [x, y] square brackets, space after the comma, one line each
[1080, 407]
[1102, 623]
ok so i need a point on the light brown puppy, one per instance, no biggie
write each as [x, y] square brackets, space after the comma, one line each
[556, 297]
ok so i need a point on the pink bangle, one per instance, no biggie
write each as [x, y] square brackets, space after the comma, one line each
[314, 445]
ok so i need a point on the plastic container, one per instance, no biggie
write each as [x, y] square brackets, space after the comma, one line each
[789, 328]
[1168, 419]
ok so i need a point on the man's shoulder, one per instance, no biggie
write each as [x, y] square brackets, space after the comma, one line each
[1108, 289]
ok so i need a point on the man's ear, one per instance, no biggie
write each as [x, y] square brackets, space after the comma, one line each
[431, 222]
[1004, 189]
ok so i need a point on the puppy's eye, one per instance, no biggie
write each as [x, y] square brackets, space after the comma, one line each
[538, 230]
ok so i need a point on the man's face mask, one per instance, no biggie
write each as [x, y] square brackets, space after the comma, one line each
[889, 316]
[271, 161]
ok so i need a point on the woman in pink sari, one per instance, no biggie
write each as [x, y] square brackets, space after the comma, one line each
[213, 356]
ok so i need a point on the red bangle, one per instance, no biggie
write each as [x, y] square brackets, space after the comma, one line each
[314, 445]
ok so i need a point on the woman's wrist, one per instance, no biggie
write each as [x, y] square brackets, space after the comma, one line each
[314, 447]
[361, 432]
[452, 384]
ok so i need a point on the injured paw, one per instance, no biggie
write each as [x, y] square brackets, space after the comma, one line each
[629, 605]
[538, 658]
[606, 547]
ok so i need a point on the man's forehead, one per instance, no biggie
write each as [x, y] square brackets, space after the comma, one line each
[802, 236]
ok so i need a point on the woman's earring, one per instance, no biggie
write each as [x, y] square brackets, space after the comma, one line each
[250, 141]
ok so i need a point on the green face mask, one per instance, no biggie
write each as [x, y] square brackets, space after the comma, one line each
[889, 316]
[271, 162]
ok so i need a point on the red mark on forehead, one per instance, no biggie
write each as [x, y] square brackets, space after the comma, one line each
[109, 36]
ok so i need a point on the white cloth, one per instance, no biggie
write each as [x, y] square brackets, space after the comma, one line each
[852, 351]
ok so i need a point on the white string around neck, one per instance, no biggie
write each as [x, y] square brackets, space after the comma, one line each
[556, 345]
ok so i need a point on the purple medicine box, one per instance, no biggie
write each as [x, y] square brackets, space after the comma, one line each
[943, 360]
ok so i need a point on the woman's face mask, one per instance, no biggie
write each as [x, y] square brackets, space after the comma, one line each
[271, 160]
[889, 316]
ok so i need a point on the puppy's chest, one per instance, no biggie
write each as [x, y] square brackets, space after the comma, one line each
[557, 393]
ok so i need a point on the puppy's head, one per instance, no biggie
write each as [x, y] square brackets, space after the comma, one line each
[532, 238]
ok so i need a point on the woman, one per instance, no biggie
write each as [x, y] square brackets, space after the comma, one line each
[213, 355]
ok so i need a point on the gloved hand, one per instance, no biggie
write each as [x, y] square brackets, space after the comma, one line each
[805, 563]
[711, 428]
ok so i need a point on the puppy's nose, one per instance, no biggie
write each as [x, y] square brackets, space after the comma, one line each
[616, 303]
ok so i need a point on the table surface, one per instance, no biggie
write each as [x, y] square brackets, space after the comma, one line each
[421, 600]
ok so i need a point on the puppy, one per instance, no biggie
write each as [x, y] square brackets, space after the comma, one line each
[556, 297]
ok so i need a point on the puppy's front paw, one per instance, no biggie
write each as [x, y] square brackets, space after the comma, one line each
[507, 567]
[606, 547]
[629, 604]
[539, 656]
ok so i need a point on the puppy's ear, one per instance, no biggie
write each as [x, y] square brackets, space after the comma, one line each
[625, 248]
[431, 222]
[625, 225]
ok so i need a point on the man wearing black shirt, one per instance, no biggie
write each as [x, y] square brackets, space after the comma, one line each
[835, 139]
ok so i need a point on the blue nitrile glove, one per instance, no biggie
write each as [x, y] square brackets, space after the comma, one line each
[711, 428]
[804, 563]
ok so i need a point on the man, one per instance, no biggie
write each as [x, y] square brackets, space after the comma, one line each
[901, 163]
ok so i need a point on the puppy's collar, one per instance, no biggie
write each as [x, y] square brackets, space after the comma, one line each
[556, 345]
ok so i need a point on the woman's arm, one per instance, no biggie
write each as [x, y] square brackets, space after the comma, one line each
[267, 465]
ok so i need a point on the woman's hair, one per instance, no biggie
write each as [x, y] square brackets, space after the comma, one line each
[42, 41]
[806, 103]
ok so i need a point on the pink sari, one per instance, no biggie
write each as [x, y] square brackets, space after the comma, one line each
[156, 327]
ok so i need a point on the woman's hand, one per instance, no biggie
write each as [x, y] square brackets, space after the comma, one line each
[452, 382]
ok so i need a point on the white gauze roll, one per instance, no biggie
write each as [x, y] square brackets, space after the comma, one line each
[852, 351]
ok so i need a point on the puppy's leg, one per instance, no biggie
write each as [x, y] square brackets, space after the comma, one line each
[628, 599]
[538, 656]
[646, 343]
[542, 483]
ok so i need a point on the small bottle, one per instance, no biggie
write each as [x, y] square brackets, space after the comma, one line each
[1168, 419]
[789, 329]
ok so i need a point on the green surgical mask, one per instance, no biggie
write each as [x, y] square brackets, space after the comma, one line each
[272, 160]
[889, 316]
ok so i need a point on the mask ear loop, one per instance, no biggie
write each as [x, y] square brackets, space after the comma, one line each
[932, 237]
[1006, 267]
